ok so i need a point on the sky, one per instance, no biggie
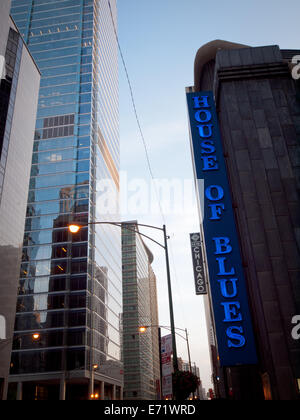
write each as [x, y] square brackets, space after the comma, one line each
[159, 41]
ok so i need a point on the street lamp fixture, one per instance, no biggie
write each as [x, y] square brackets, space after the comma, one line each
[143, 329]
[36, 336]
[75, 228]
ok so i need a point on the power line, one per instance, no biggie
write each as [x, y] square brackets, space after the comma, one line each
[144, 144]
[135, 111]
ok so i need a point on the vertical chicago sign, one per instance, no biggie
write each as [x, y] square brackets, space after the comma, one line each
[236, 344]
[198, 264]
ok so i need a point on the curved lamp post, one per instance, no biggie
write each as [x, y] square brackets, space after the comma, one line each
[75, 228]
[143, 329]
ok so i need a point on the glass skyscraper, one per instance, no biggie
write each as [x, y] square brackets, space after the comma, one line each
[141, 350]
[70, 288]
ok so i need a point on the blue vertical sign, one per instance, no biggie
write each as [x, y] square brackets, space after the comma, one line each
[236, 344]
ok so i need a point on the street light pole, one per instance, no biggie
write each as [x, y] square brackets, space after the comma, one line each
[188, 347]
[160, 362]
[175, 359]
[92, 384]
[143, 329]
[94, 367]
[74, 228]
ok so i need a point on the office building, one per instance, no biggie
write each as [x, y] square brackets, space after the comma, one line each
[19, 85]
[155, 337]
[141, 350]
[70, 287]
[257, 96]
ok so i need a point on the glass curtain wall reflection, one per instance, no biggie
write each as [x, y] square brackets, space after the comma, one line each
[70, 285]
[141, 351]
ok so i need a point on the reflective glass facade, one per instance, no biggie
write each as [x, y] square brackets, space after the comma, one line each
[141, 350]
[70, 285]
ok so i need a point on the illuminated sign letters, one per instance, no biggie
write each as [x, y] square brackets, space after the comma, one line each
[236, 344]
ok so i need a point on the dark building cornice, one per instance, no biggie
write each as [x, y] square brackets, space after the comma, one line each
[207, 53]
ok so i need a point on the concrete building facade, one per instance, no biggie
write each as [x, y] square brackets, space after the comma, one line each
[20, 79]
[258, 106]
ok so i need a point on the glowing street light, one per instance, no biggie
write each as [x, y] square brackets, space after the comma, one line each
[74, 228]
[143, 329]
[36, 336]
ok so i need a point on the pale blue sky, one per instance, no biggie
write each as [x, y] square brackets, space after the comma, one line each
[159, 40]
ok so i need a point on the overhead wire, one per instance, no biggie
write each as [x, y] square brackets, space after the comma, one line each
[145, 147]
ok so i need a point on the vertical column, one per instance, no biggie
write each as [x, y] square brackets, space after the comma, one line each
[20, 391]
[62, 390]
[121, 393]
[102, 391]
[4, 390]
[114, 389]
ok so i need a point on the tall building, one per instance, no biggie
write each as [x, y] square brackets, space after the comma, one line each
[155, 337]
[70, 287]
[141, 350]
[257, 99]
[19, 85]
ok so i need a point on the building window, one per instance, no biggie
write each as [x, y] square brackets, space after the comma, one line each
[60, 126]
